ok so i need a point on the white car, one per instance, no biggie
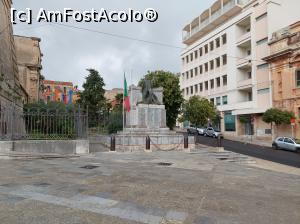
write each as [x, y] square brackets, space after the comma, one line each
[287, 144]
[201, 130]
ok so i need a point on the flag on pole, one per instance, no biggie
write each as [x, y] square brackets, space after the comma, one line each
[126, 97]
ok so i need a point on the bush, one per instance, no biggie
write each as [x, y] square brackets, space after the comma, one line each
[115, 122]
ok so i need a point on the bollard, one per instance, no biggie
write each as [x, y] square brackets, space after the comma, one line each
[147, 143]
[186, 141]
[113, 143]
[219, 141]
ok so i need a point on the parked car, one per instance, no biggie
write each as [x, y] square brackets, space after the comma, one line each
[192, 130]
[286, 143]
[212, 132]
[201, 130]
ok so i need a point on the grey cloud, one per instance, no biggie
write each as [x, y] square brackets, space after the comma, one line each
[68, 52]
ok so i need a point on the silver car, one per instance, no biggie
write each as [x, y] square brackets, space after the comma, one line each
[287, 144]
[215, 133]
[201, 130]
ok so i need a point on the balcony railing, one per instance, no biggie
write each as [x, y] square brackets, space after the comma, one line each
[233, 6]
[244, 84]
[243, 61]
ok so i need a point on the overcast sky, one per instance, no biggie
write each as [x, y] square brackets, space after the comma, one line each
[68, 52]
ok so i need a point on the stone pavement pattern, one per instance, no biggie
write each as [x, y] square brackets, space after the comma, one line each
[199, 187]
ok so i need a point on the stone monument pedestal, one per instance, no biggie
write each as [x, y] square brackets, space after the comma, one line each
[149, 120]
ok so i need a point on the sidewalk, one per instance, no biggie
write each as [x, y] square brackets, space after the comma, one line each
[249, 140]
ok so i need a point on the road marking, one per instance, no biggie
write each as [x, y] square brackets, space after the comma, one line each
[98, 205]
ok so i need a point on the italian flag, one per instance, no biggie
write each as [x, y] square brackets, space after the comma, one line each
[126, 97]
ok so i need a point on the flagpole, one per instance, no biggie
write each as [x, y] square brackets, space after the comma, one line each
[131, 101]
[123, 109]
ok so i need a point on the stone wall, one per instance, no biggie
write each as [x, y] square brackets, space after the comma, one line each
[10, 89]
[29, 58]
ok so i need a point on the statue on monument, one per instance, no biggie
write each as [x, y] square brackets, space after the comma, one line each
[148, 94]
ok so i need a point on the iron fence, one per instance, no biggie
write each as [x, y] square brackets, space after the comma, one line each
[17, 124]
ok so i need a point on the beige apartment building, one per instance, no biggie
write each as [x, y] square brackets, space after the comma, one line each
[223, 60]
[29, 59]
[11, 92]
[284, 62]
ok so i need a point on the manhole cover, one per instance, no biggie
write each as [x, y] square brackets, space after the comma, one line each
[164, 164]
[223, 158]
[89, 167]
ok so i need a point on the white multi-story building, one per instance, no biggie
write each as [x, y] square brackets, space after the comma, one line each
[223, 62]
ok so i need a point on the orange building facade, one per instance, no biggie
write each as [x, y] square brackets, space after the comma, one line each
[56, 91]
[284, 61]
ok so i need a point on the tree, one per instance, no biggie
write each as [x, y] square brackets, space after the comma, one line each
[277, 117]
[93, 94]
[199, 111]
[172, 97]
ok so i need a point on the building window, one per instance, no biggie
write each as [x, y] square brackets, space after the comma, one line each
[250, 96]
[187, 59]
[201, 69]
[206, 85]
[218, 81]
[261, 16]
[229, 121]
[196, 88]
[201, 87]
[218, 42]
[191, 56]
[212, 84]
[212, 100]
[192, 90]
[196, 54]
[262, 66]
[298, 78]
[218, 62]
[192, 73]
[211, 46]
[262, 41]
[224, 58]
[224, 39]
[187, 75]
[218, 101]
[225, 80]
[201, 52]
[225, 100]
[196, 71]
[183, 61]
[187, 91]
[206, 48]
[211, 65]
[206, 67]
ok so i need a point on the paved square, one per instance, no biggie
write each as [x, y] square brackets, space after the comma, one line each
[161, 187]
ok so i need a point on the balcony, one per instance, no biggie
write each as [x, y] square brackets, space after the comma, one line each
[210, 19]
[244, 63]
[244, 84]
[245, 38]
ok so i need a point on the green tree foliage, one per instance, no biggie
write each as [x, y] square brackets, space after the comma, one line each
[199, 110]
[277, 116]
[93, 94]
[172, 97]
[115, 121]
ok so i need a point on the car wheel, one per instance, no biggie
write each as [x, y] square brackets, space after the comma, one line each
[298, 150]
[214, 136]
[204, 134]
[275, 147]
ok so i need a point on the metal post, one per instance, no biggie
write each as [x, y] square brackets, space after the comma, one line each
[147, 143]
[186, 141]
[113, 143]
